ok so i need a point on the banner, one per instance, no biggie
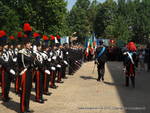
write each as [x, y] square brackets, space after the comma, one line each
[64, 40]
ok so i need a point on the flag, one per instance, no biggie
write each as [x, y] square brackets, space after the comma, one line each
[56, 41]
[87, 48]
[91, 47]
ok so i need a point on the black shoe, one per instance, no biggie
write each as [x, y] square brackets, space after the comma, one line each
[54, 87]
[18, 92]
[6, 99]
[98, 80]
[44, 99]
[65, 78]
[102, 79]
[40, 101]
[60, 82]
[29, 111]
[127, 85]
[47, 93]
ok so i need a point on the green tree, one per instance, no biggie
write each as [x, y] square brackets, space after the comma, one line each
[9, 19]
[79, 20]
[105, 17]
[92, 14]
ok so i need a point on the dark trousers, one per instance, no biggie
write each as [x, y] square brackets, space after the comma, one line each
[64, 72]
[71, 68]
[132, 78]
[39, 85]
[26, 85]
[52, 79]
[59, 74]
[46, 82]
[148, 65]
[17, 84]
[6, 80]
[101, 71]
[0, 77]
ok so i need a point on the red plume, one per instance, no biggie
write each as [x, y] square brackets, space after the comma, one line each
[45, 37]
[52, 37]
[25, 36]
[2, 33]
[58, 37]
[27, 27]
[131, 46]
[12, 37]
[19, 34]
[36, 35]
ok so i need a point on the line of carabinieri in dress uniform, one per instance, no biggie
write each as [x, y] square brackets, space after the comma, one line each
[24, 60]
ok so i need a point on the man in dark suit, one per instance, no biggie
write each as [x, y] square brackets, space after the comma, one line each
[100, 60]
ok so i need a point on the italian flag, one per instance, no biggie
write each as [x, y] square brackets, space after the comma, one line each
[87, 48]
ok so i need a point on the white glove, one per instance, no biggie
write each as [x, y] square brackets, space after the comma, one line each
[66, 62]
[23, 71]
[51, 53]
[124, 53]
[53, 68]
[47, 72]
[44, 56]
[59, 66]
[15, 60]
[54, 57]
[49, 59]
[12, 72]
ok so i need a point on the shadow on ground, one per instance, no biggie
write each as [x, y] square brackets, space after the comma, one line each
[87, 77]
[12, 105]
[134, 100]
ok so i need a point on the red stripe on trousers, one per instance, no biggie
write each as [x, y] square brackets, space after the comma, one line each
[59, 76]
[45, 82]
[23, 84]
[17, 84]
[131, 69]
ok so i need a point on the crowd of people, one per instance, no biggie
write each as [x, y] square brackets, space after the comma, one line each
[30, 58]
[115, 53]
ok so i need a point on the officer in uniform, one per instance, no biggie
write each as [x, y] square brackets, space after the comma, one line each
[53, 56]
[6, 69]
[100, 60]
[129, 63]
[60, 63]
[25, 62]
[65, 53]
[148, 57]
[18, 77]
[47, 62]
[40, 71]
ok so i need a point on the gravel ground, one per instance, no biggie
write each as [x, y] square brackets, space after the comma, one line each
[81, 93]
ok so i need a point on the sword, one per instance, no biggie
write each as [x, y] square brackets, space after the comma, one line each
[93, 68]
[23, 71]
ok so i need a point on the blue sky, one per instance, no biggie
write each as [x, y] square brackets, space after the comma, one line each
[72, 2]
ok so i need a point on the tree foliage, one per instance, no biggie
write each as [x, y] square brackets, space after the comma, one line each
[122, 20]
[45, 16]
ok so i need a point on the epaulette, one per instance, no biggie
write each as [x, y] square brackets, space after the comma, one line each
[24, 52]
